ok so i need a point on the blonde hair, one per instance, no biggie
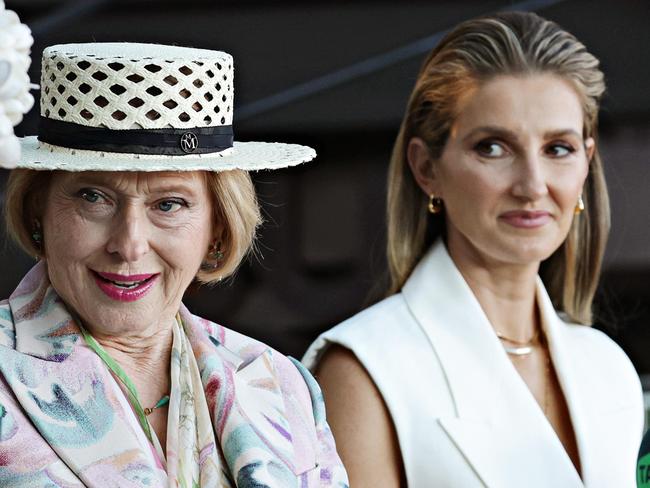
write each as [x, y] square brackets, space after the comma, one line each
[475, 52]
[236, 212]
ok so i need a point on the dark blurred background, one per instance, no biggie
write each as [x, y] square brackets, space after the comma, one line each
[336, 75]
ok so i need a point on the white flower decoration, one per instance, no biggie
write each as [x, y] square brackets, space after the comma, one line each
[15, 99]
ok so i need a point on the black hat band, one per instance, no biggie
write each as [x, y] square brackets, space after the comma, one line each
[169, 142]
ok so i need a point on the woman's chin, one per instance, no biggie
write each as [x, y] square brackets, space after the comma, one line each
[515, 250]
[529, 253]
[118, 322]
[100, 312]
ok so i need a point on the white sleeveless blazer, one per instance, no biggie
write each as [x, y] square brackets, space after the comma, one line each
[463, 415]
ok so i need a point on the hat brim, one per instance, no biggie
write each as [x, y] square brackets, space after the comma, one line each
[248, 156]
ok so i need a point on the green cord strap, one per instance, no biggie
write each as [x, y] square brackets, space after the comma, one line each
[126, 381]
[163, 401]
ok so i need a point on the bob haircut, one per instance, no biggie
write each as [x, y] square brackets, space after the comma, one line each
[233, 200]
[515, 44]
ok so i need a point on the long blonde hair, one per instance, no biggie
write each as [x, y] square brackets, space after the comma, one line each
[474, 52]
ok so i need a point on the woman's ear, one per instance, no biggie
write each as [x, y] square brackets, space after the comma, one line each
[590, 148]
[217, 232]
[422, 165]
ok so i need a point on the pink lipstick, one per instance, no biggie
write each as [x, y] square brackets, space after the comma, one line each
[526, 219]
[124, 288]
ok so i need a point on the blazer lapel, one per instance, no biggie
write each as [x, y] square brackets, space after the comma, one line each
[497, 423]
[588, 417]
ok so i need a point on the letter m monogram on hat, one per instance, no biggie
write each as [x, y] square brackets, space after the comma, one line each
[189, 142]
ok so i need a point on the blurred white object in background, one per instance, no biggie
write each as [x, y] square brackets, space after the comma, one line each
[15, 99]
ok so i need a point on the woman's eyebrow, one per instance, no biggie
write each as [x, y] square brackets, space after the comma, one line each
[510, 135]
[561, 133]
[492, 130]
[91, 180]
[172, 188]
[154, 189]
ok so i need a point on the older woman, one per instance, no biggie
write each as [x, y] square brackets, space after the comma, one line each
[131, 191]
[467, 375]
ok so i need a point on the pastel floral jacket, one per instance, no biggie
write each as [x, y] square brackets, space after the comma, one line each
[65, 423]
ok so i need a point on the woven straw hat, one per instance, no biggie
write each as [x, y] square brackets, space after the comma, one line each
[143, 107]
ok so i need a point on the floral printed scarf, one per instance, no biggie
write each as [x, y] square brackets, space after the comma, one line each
[240, 415]
[193, 455]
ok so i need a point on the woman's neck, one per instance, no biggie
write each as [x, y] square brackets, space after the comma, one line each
[506, 293]
[145, 358]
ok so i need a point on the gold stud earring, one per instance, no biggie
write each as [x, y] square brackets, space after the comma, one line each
[435, 204]
[580, 206]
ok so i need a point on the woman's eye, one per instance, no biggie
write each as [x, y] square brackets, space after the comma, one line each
[560, 150]
[490, 149]
[90, 195]
[170, 206]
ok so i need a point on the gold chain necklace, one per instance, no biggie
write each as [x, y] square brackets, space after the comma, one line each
[521, 348]
[524, 349]
[547, 375]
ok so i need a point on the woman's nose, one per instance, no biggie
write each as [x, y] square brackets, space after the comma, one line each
[129, 236]
[530, 180]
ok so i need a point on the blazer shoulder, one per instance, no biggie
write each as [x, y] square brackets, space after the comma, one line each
[386, 325]
[595, 343]
[605, 359]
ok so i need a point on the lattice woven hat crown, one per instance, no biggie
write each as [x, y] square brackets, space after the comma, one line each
[143, 107]
[122, 86]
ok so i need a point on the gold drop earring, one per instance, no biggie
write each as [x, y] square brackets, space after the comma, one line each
[435, 204]
[580, 206]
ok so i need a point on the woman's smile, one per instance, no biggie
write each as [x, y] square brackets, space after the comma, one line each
[125, 288]
[526, 219]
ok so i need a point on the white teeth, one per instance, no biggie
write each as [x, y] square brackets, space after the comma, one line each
[127, 285]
